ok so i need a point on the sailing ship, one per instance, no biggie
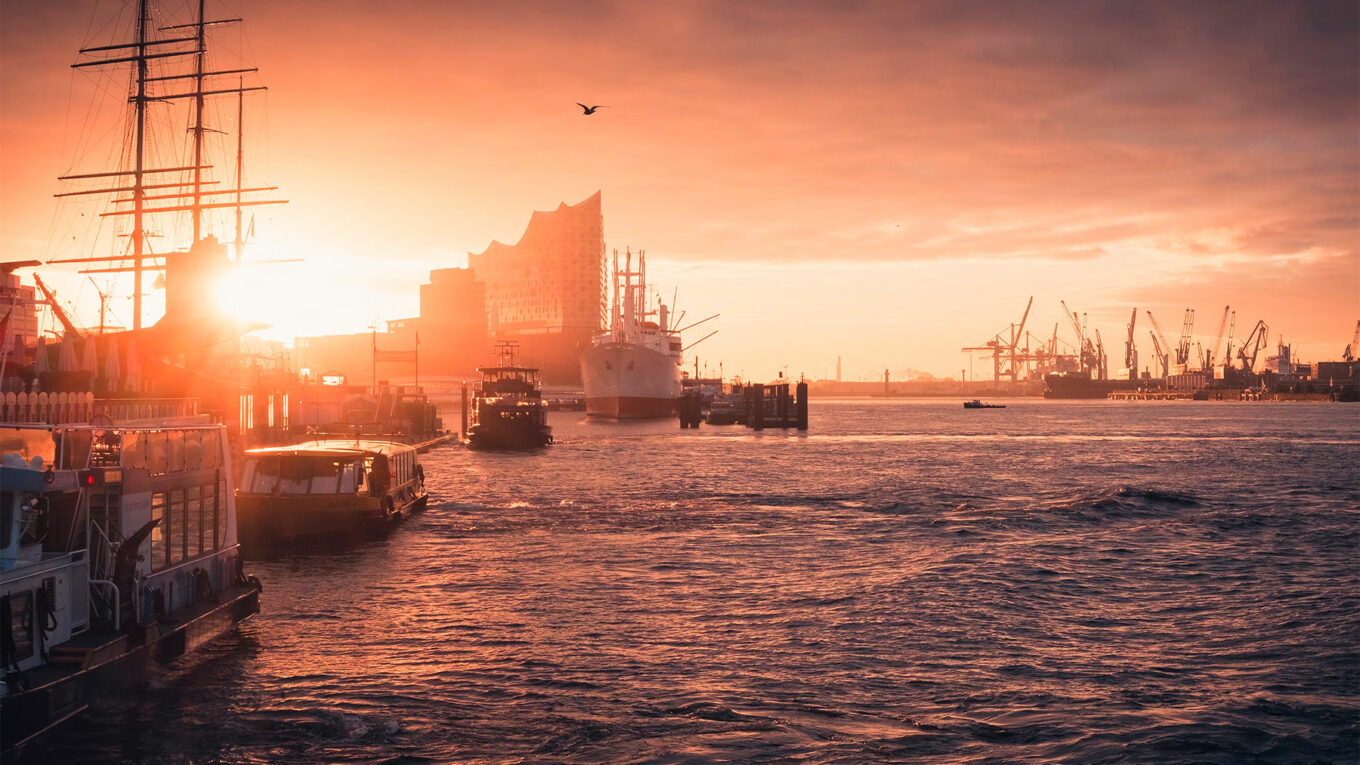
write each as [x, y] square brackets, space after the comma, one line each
[508, 410]
[118, 535]
[632, 371]
[193, 353]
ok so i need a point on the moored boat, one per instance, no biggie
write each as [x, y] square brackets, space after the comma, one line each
[118, 547]
[508, 410]
[633, 370]
[324, 490]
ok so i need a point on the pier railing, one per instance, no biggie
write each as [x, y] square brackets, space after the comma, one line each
[65, 408]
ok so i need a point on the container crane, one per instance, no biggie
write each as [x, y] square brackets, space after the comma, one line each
[1252, 346]
[1130, 351]
[1008, 348]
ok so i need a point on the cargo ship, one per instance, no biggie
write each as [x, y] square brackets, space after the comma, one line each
[632, 371]
[1082, 385]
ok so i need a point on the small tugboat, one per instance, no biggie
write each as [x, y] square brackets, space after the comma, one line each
[117, 547]
[508, 411]
[976, 404]
[323, 490]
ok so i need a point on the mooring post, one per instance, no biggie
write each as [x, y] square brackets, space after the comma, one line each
[463, 432]
[803, 405]
[758, 413]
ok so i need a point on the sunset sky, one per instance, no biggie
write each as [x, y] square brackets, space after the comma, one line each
[884, 181]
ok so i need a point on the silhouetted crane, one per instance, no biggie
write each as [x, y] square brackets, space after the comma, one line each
[1131, 352]
[1354, 347]
[1252, 346]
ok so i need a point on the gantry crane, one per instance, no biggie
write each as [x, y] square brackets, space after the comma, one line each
[1008, 348]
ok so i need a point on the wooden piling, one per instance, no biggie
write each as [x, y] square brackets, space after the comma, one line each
[802, 406]
[758, 406]
[463, 432]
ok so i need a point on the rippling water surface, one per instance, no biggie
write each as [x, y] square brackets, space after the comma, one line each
[1147, 582]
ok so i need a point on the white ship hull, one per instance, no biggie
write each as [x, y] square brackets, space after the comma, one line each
[628, 381]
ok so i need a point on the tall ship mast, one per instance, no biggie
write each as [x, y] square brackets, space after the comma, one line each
[169, 63]
[632, 371]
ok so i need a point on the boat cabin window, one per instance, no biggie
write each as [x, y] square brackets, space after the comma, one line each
[300, 475]
[29, 443]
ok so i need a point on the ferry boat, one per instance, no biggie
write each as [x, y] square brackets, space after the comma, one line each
[321, 490]
[633, 370]
[118, 547]
[508, 410]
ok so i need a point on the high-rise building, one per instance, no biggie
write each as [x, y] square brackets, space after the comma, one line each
[547, 291]
[452, 324]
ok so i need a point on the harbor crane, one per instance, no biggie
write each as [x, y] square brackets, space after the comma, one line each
[1354, 347]
[1163, 347]
[1160, 354]
[1212, 353]
[72, 331]
[1187, 328]
[1227, 348]
[1252, 346]
[1130, 351]
[1008, 348]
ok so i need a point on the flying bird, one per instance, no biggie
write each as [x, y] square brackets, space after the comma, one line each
[590, 109]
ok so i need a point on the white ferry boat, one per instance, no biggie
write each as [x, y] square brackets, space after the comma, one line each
[117, 548]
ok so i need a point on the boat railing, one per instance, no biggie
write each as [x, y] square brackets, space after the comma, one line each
[106, 604]
[114, 597]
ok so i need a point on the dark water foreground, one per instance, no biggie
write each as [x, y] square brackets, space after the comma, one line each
[1142, 582]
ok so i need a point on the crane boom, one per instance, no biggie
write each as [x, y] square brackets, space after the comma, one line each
[1251, 347]
[1218, 338]
[1160, 354]
[1354, 347]
[1165, 347]
[1187, 328]
[66, 323]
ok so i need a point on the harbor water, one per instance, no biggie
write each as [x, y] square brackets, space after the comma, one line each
[908, 581]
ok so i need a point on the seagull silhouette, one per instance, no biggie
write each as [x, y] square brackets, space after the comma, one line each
[590, 109]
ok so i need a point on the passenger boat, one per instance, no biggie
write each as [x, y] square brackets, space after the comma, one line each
[317, 490]
[976, 404]
[508, 410]
[117, 547]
